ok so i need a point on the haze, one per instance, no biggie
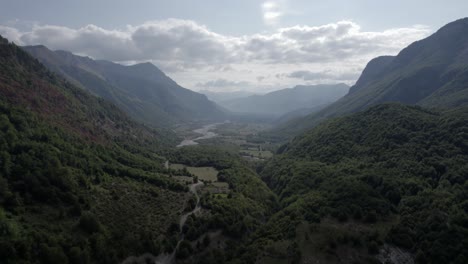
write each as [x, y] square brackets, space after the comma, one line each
[212, 45]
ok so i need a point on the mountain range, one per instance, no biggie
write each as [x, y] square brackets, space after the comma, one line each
[283, 101]
[82, 182]
[222, 96]
[376, 176]
[141, 90]
[432, 72]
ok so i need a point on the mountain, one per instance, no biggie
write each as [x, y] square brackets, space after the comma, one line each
[220, 97]
[280, 102]
[75, 171]
[141, 90]
[432, 72]
[302, 112]
[81, 182]
[390, 180]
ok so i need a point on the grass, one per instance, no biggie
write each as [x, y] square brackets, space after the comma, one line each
[203, 173]
[177, 166]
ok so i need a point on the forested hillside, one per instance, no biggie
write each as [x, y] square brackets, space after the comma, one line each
[80, 182]
[71, 166]
[391, 175]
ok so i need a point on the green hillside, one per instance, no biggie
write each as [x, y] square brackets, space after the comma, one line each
[71, 166]
[80, 182]
[392, 175]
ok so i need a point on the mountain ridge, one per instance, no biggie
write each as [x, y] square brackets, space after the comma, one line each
[287, 100]
[430, 72]
[142, 90]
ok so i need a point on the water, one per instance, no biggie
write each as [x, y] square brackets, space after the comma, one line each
[205, 134]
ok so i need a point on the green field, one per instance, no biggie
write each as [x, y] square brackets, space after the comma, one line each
[177, 166]
[203, 173]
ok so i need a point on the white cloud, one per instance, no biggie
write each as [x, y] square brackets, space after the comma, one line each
[271, 12]
[193, 54]
[12, 34]
[322, 75]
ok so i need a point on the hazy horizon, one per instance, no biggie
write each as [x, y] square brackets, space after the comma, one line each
[277, 44]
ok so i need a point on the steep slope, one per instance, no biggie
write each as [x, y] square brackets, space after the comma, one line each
[141, 90]
[389, 176]
[431, 72]
[76, 172]
[280, 102]
[80, 182]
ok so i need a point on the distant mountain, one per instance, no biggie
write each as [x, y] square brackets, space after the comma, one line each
[280, 102]
[141, 90]
[220, 97]
[302, 112]
[432, 72]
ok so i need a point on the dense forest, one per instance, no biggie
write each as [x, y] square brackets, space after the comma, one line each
[392, 174]
[82, 183]
[67, 166]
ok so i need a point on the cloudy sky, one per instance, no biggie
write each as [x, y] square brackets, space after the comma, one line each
[223, 45]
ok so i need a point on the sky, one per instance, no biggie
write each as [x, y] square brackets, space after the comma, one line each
[220, 45]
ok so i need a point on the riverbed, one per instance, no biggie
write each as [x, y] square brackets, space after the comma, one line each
[205, 133]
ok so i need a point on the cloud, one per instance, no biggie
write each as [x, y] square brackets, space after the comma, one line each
[192, 53]
[271, 12]
[186, 41]
[12, 34]
[223, 83]
[308, 75]
[322, 75]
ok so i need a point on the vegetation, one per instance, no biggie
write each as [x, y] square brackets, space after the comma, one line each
[396, 173]
[82, 183]
[79, 181]
[202, 173]
[238, 214]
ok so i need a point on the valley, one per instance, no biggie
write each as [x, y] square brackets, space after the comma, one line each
[205, 133]
[112, 161]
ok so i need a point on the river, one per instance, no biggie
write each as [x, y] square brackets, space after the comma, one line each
[205, 134]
